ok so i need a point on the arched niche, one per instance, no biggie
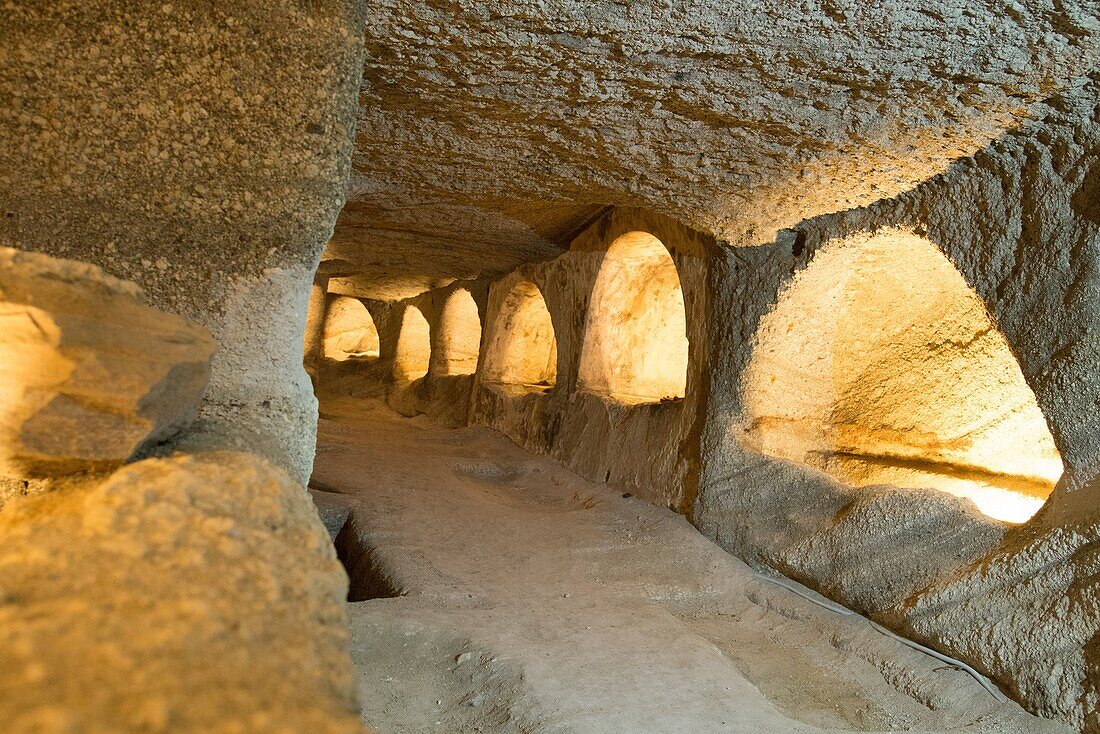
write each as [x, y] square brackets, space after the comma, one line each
[635, 346]
[522, 353]
[349, 331]
[879, 365]
[414, 347]
[460, 334]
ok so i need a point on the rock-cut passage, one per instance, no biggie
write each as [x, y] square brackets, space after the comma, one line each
[635, 338]
[414, 346]
[879, 365]
[522, 353]
[349, 331]
[502, 593]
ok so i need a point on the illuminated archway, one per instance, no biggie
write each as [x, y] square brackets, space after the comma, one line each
[635, 339]
[522, 353]
[879, 365]
[413, 346]
[349, 331]
[460, 334]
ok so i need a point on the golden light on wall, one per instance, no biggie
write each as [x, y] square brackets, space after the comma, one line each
[879, 365]
[349, 331]
[460, 335]
[522, 353]
[635, 339]
[414, 346]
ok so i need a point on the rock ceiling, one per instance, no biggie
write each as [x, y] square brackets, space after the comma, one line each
[491, 132]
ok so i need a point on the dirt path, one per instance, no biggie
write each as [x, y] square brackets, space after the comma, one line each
[526, 599]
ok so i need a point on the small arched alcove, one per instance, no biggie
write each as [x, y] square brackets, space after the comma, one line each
[635, 338]
[413, 352]
[459, 334]
[522, 353]
[879, 365]
[349, 331]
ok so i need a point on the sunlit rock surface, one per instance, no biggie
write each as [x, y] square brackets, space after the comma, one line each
[522, 352]
[349, 331]
[89, 374]
[635, 346]
[1018, 223]
[459, 340]
[879, 365]
[205, 151]
[193, 594]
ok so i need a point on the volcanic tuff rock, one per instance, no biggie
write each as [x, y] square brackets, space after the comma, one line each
[490, 133]
[89, 374]
[200, 150]
[198, 594]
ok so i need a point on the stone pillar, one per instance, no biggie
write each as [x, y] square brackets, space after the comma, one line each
[201, 151]
[315, 321]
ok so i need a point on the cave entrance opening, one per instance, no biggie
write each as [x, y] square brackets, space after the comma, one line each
[880, 365]
[349, 331]
[635, 347]
[522, 353]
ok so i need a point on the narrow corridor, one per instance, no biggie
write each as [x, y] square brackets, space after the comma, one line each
[526, 599]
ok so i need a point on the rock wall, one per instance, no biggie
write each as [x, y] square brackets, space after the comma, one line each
[1019, 221]
[201, 151]
[199, 592]
[646, 446]
[440, 394]
[91, 376]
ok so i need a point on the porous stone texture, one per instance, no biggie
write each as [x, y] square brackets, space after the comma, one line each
[193, 594]
[1019, 602]
[1030, 613]
[89, 374]
[201, 151]
[489, 130]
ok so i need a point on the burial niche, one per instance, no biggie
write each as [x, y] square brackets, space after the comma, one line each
[635, 338]
[414, 346]
[460, 334]
[349, 331]
[522, 353]
[879, 365]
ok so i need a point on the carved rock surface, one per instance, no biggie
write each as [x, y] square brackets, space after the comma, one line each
[89, 374]
[490, 133]
[193, 594]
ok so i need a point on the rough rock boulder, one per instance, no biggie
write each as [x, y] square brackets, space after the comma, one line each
[192, 594]
[90, 375]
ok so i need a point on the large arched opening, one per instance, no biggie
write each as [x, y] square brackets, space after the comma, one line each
[459, 334]
[522, 353]
[349, 331]
[414, 348]
[880, 365]
[635, 339]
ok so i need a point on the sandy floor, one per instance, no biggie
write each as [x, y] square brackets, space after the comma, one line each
[525, 599]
